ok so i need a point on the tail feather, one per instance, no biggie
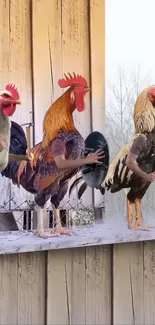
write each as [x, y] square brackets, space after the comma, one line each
[81, 190]
[74, 184]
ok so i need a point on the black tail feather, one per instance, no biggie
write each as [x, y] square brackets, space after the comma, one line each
[81, 190]
[18, 146]
[74, 184]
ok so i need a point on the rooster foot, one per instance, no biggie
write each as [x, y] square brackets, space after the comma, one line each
[135, 226]
[61, 231]
[45, 234]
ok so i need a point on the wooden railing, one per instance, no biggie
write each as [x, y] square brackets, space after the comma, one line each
[102, 274]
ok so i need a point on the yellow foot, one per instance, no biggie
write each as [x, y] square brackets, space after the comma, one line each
[45, 234]
[61, 231]
[58, 232]
[134, 226]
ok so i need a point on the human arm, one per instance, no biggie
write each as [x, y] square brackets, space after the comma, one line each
[59, 152]
[131, 160]
[13, 157]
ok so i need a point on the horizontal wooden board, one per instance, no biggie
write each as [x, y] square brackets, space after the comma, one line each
[99, 234]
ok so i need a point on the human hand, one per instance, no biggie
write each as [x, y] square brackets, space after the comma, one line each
[150, 177]
[94, 158]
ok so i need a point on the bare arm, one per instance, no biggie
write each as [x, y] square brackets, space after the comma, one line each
[131, 163]
[13, 157]
[63, 163]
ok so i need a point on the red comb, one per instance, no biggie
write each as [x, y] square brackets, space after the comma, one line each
[13, 90]
[69, 81]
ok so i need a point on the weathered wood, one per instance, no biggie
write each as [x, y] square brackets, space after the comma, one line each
[80, 272]
[149, 283]
[78, 288]
[128, 287]
[4, 78]
[98, 285]
[31, 288]
[97, 54]
[14, 242]
[59, 281]
[9, 289]
[76, 57]
[20, 72]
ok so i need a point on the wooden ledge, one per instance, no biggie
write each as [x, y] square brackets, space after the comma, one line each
[99, 234]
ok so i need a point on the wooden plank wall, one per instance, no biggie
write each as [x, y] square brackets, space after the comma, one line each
[15, 66]
[40, 40]
[92, 285]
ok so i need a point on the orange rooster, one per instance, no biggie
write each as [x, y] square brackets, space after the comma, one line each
[58, 157]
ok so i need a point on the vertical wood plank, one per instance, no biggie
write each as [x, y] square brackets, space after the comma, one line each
[61, 37]
[47, 58]
[76, 57]
[31, 288]
[128, 286]
[20, 72]
[78, 289]
[4, 77]
[69, 280]
[98, 285]
[97, 49]
[58, 287]
[8, 289]
[149, 283]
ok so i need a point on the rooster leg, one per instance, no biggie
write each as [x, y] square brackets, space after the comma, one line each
[139, 216]
[59, 229]
[40, 225]
[138, 224]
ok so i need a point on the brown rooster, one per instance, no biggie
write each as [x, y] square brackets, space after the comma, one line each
[58, 157]
[134, 166]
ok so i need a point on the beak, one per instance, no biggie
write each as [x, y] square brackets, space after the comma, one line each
[18, 102]
[88, 89]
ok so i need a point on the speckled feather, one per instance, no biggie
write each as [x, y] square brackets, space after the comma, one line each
[30, 179]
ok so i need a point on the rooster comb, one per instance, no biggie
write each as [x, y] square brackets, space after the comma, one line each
[11, 87]
[72, 80]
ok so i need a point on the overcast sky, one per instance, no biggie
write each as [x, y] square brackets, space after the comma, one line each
[130, 37]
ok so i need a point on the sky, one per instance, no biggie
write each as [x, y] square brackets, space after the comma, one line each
[130, 37]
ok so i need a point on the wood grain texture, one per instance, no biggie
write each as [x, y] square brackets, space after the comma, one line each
[20, 71]
[16, 241]
[128, 284]
[59, 281]
[9, 289]
[98, 285]
[83, 278]
[76, 57]
[97, 55]
[70, 281]
[149, 283]
[4, 78]
[15, 66]
[31, 288]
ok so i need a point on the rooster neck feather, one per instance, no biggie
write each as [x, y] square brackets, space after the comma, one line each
[58, 117]
[144, 113]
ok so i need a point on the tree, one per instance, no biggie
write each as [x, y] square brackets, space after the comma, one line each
[120, 100]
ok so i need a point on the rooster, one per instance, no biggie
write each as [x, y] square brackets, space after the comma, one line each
[58, 157]
[9, 98]
[134, 166]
